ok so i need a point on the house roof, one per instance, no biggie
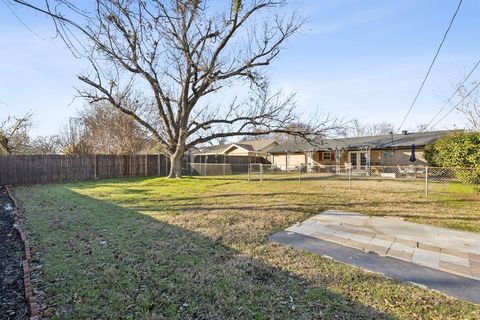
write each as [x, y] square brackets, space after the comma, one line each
[257, 145]
[373, 142]
[253, 145]
[210, 149]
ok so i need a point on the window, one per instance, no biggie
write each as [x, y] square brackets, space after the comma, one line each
[353, 159]
[363, 159]
[326, 156]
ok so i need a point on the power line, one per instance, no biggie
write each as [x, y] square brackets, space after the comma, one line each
[455, 106]
[22, 22]
[431, 65]
[454, 93]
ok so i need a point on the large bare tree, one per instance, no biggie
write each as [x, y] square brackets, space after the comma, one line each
[190, 57]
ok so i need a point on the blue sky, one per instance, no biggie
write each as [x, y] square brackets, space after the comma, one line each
[354, 59]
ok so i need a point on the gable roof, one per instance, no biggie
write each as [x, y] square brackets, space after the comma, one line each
[373, 142]
[243, 146]
[253, 145]
[257, 145]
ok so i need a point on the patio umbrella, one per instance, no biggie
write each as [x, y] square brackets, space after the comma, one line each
[412, 153]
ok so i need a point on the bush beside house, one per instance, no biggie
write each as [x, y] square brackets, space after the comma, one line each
[459, 150]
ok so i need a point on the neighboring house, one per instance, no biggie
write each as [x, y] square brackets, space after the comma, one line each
[385, 150]
[246, 151]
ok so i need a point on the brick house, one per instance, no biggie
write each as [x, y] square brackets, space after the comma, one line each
[385, 150]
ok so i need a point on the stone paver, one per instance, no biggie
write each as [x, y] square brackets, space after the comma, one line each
[428, 247]
[454, 252]
[454, 259]
[401, 251]
[475, 273]
[447, 282]
[455, 268]
[475, 264]
[438, 248]
[402, 247]
[426, 258]
[399, 254]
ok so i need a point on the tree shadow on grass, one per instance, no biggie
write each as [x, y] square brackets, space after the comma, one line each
[310, 208]
[104, 261]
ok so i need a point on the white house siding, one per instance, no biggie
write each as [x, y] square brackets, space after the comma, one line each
[291, 160]
[238, 152]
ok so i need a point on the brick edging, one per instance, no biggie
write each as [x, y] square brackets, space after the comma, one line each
[30, 298]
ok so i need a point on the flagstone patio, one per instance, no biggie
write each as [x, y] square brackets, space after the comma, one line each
[438, 248]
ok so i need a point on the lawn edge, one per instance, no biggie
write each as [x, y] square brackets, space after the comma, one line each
[30, 298]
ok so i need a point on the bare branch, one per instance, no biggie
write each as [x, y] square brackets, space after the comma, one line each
[182, 55]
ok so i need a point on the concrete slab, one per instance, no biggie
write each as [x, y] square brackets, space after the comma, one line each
[402, 247]
[439, 248]
[474, 264]
[448, 283]
[426, 258]
[454, 259]
[398, 254]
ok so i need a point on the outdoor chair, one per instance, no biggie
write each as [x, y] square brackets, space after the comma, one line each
[407, 171]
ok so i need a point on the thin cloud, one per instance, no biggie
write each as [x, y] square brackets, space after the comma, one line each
[354, 19]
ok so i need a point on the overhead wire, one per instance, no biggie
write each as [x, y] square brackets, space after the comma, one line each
[453, 94]
[431, 66]
[456, 105]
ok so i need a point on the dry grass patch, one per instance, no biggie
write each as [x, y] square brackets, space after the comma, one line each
[193, 248]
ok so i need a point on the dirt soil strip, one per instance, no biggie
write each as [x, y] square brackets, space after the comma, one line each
[28, 301]
[12, 301]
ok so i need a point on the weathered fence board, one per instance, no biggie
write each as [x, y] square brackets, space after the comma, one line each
[219, 158]
[37, 169]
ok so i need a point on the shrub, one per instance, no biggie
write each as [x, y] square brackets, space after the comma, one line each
[459, 150]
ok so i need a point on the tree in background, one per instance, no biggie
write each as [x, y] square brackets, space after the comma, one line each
[298, 126]
[45, 145]
[14, 134]
[470, 107]
[110, 131]
[458, 150]
[184, 54]
[100, 129]
[73, 138]
[359, 129]
[421, 127]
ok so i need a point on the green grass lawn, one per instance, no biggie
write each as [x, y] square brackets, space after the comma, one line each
[198, 249]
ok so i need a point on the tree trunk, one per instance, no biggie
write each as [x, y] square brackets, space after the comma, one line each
[176, 165]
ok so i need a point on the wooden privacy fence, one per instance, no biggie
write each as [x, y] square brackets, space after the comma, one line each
[220, 159]
[33, 169]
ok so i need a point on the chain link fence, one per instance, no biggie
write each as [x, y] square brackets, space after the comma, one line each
[421, 176]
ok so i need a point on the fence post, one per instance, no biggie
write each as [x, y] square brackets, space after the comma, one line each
[95, 166]
[299, 173]
[248, 171]
[146, 165]
[350, 178]
[205, 166]
[261, 172]
[158, 164]
[426, 181]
